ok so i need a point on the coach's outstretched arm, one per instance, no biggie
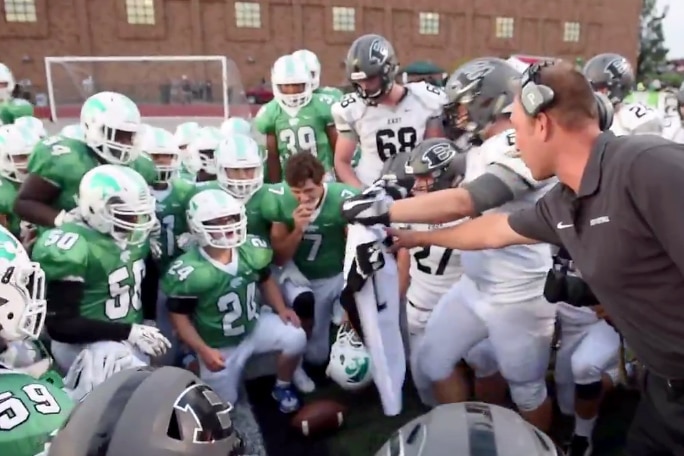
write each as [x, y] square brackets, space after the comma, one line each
[490, 231]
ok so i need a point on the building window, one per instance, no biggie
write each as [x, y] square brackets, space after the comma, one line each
[504, 27]
[248, 14]
[20, 11]
[344, 19]
[428, 23]
[571, 32]
[140, 12]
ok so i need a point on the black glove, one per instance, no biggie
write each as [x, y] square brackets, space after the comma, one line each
[369, 258]
[369, 208]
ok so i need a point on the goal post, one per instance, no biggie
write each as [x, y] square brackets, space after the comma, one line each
[161, 86]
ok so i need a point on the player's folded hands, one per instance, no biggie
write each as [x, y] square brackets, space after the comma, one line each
[148, 340]
[290, 316]
[402, 239]
[186, 241]
[212, 359]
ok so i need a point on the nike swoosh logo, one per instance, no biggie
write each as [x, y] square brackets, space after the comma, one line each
[562, 226]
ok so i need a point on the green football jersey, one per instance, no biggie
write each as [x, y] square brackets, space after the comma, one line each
[14, 109]
[32, 410]
[256, 223]
[112, 276]
[304, 132]
[64, 161]
[226, 306]
[171, 205]
[8, 193]
[320, 253]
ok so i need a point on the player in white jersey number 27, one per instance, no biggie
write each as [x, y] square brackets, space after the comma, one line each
[383, 117]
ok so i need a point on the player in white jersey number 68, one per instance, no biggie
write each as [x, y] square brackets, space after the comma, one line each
[383, 117]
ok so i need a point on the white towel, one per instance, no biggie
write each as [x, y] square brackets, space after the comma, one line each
[378, 306]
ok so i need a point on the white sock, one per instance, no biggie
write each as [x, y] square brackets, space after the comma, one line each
[584, 427]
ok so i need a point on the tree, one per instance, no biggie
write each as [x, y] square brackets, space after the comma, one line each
[652, 50]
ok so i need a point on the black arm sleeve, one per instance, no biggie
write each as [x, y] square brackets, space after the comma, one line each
[264, 275]
[150, 289]
[181, 305]
[65, 324]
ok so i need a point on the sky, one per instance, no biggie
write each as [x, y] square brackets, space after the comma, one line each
[673, 27]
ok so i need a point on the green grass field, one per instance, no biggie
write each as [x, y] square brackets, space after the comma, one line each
[366, 428]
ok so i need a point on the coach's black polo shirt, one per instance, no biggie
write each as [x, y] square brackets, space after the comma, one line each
[625, 232]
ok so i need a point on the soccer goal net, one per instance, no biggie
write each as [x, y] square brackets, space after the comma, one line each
[162, 86]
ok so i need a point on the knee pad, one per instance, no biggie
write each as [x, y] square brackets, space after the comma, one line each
[435, 364]
[304, 305]
[295, 342]
[589, 391]
[529, 395]
[584, 371]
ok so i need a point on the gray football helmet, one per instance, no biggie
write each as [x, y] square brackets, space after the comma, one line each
[479, 92]
[371, 58]
[612, 74]
[149, 412]
[469, 428]
[438, 158]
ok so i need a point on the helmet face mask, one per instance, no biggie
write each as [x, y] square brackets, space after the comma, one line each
[610, 74]
[430, 165]
[23, 307]
[350, 363]
[292, 83]
[7, 83]
[217, 220]
[240, 166]
[16, 145]
[116, 201]
[163, 149]
[111, 123]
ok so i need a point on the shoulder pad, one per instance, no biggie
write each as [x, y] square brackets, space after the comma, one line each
[502, 150]
[637, 118]
[431, 96]
[347, 112]
[257, 252]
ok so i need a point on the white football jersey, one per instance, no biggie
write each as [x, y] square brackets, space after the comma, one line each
[637, 119]
[674, 129]
[516, 272]
[433, 270]
[385, 130]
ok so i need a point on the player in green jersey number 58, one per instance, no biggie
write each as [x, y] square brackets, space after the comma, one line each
[111, 123]
[211, 293]
[95, 268]
[296, 120]
[309, 231]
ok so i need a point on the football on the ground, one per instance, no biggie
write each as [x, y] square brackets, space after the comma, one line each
[318, 417]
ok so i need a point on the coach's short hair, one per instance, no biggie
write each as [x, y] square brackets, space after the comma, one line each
[574, 104]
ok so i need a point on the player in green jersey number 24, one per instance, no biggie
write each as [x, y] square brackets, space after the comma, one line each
[309, 230]
[211, 293]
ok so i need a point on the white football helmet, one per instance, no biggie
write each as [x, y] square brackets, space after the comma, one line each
[350, 363]
[312, 64]
[16, 145]
[116, 200]
[239, 166]
[34, 124]
[184, 135]
[73, 131]
[236, 126]
[111, 123]
[22, 291]
[7, 83]
[217, 219]
[162, 147]
[204, 146]
[290, 71]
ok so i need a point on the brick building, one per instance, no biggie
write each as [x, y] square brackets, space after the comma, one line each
[252, 34]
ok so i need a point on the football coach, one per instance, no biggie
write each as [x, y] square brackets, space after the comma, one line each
[619, 212]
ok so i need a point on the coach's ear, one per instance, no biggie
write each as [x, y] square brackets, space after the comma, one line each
[605, 111]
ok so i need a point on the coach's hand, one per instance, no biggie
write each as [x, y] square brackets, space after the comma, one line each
[403, 239]
[148, 340]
